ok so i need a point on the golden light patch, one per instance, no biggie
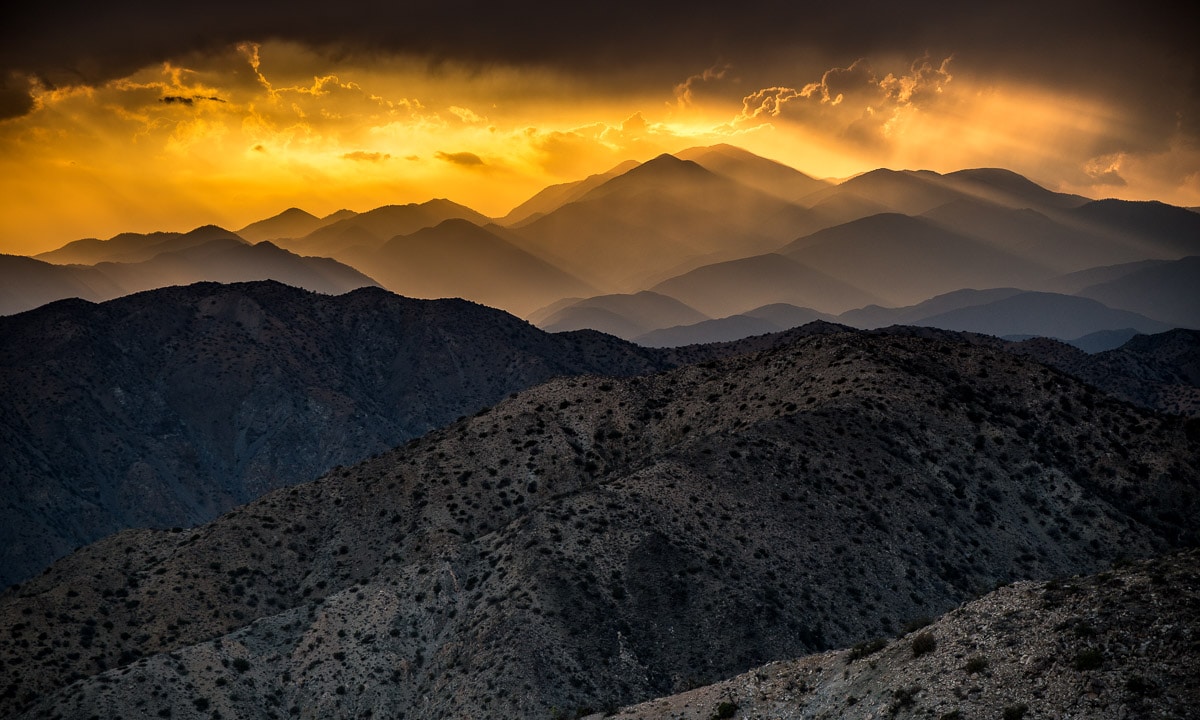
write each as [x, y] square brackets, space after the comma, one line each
[238, 136]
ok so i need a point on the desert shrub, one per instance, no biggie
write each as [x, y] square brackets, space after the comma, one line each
[1140, 686]
[1089, 659]
[725, 709]
[977, 664]
[1015, 712]
[241, 664]
[923, 643]
[865, 648]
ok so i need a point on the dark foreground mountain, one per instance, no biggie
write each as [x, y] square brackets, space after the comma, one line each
[593, 542]
[1120, 644]
[1160, 371]
[169, 407]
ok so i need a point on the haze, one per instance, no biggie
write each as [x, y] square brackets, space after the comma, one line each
[127, 118]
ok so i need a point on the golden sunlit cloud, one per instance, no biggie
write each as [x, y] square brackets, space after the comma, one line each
[234, 137]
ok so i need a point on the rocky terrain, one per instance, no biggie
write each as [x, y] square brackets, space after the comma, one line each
[1119, 644]
[1160, 371]
[169, 407]
[594, 542]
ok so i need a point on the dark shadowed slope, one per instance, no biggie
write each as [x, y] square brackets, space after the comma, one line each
[168, 407]
[593, 542]
[1115, 645]
[1159, 371]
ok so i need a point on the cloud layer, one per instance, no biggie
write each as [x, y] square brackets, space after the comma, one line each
[230, 111]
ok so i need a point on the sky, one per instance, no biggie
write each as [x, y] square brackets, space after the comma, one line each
[138, 116]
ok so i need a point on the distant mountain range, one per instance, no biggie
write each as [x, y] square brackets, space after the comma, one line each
[722, 231]
[132, 263]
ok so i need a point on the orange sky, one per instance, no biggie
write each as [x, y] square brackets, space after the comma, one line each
[238, 133]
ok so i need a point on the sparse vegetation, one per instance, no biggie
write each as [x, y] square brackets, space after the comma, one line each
[923, 643]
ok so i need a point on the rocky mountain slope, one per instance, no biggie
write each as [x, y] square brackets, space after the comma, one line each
[166, 408]
[1119, 644]
[593, 542]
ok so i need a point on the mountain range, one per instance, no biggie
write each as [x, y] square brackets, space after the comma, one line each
[592, 542]
[169, 407]
[765, 445]
[722, 231]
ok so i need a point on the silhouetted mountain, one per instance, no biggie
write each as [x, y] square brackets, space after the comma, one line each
[555, 196]
[769, 176]
[874, 316]
[169, 407]
[915, 192]
[1028, 234]
[1072, 283]
[654, 219]
[767, 319]
[373, 228]
[737, 286]
[291, 223]
[594, 542]
[1045, 314]
[460, 259]
[134, 247]
[1169, 292]
[230, 261]
[26, 283]
[1102, 340]
[1007, 188]
[1162, 231]
[905, 260]
[626, 316]
[1103, 647]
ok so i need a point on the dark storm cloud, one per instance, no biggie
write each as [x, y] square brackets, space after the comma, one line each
[188, 100]
[1089, 45]
[465, 159]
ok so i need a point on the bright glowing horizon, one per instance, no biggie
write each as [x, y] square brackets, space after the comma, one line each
[239, 135]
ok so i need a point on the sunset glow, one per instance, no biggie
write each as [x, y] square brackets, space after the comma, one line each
[239, 133]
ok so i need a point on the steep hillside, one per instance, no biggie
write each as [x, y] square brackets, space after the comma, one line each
[593, 542]
[1159, 371]
[166, 408]
[1119, 644]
